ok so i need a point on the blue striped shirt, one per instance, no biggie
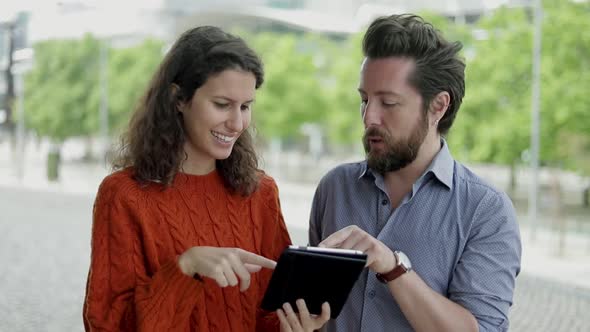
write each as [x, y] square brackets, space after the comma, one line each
[460, 233]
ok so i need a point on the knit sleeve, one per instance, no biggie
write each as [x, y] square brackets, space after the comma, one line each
[275, 239]
[120, 294]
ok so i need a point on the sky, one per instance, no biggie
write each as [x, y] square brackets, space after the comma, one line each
[103, 18]
[9, 7]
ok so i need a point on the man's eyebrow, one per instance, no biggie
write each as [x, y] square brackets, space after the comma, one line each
[382, 92]
[391, 93]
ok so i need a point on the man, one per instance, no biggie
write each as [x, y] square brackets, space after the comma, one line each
[443, 246]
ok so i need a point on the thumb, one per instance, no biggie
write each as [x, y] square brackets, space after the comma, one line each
[325, 316]
[252, 268]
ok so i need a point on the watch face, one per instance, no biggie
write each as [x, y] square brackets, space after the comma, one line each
[404, 260]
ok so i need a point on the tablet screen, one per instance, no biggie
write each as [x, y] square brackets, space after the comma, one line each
[316, 275]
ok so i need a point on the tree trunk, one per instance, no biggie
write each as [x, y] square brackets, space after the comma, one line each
[558, 216]
[53, 161]
[88, 149]
[512, 180]
[276, 155]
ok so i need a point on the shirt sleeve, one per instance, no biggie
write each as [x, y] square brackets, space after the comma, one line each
[315, 217]
[484, 278]
[120, 295]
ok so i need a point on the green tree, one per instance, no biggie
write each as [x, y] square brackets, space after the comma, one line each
[565, 76]
[130, 71]
[494, 121]
[292, 93]
[61, 92]
[343, 122]
[61, 96]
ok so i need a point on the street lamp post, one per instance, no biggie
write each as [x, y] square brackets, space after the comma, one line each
[20, 126]
[104, 101]
[535, 118]
[23, 60]
[8, 111]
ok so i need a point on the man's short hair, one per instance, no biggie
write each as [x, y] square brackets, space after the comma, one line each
[438, 65]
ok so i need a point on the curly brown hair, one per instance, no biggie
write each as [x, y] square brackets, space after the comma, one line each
[153, 144]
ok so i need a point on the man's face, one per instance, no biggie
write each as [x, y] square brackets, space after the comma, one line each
[392, 111]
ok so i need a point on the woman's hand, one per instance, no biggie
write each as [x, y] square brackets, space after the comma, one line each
[224, 265]
[303, 321]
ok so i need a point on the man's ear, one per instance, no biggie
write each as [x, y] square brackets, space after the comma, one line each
[175, 96]
[439, 106]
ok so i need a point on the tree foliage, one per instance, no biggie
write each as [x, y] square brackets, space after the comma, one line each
[61, 91]
[292, 93]
[494, 122]
[130, 71]
[63, 88]
[343, 123]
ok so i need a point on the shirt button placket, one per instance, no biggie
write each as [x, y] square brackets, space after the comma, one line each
[383, 212]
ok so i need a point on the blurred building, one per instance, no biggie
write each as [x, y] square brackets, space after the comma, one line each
[339, 17]
[119, 22]
[126, 22]
[13, 37]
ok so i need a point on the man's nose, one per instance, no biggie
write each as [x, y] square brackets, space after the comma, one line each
[371, 114]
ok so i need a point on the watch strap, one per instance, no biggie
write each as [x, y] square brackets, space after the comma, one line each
[397, 271]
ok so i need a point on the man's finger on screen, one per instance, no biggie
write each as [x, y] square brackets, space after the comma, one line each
[334, 240]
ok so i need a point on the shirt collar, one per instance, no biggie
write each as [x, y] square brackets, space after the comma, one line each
[364, 169]
[441, 166]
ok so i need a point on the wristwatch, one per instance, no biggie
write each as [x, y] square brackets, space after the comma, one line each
[403, 265]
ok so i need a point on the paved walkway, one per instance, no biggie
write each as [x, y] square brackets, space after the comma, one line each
[542, 305]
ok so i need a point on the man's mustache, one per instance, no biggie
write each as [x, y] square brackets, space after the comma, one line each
[374, 131]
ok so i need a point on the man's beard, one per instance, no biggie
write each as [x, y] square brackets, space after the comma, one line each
[396, 154]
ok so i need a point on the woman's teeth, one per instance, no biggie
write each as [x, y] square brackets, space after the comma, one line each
[222, 137]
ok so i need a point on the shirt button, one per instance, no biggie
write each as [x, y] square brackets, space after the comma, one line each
[384, 202]
[372, 293]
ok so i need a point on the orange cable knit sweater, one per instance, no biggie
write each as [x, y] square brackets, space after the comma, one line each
[135, 284]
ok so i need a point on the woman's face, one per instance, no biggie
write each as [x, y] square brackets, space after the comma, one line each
[218, 113]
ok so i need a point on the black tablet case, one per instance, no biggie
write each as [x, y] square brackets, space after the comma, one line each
[316, 277]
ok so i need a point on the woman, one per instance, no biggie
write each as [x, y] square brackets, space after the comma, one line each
[186, 195]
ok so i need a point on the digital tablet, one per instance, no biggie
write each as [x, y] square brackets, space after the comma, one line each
[316, 275]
